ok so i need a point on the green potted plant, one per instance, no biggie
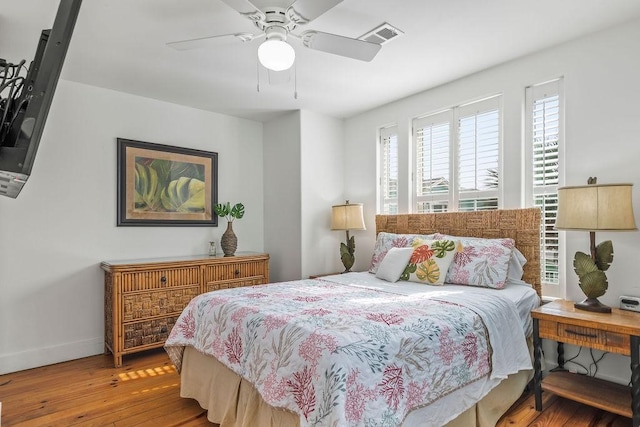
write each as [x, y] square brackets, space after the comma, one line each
[229, 240]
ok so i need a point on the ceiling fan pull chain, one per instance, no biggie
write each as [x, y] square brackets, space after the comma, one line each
[258, 76]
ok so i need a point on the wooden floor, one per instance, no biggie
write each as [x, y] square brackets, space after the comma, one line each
[558, 412]
[145, 391]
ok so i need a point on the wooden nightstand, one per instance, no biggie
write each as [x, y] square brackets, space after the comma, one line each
[615, 332]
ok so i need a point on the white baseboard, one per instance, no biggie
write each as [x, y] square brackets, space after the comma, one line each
[20, 361]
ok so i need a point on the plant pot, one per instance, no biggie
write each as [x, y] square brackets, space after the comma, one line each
[229, 241]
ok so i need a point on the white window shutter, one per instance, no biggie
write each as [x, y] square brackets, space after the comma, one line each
[479, 155]
[544, 138]
[458, 167]
[432, 153]
[389, 170]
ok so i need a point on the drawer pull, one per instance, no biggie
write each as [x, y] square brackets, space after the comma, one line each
[580, 334]
[163, 280]
[237, 272]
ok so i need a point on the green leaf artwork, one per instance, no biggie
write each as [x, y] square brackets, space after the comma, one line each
[593, 281]
[184, 195]
[347, 253]
[168, 186]
[604, 255]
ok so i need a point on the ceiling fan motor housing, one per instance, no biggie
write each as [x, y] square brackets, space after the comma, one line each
[275, 18]
[276, 32]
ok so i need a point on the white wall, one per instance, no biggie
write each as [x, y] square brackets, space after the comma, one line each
[601, 87]
[322, 183]
[303, 178]
[63, 224]
[282, 232]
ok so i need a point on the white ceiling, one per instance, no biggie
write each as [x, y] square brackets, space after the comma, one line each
[121, 45]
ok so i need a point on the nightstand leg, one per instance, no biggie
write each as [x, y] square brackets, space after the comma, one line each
[635, 380]
[560, 355]
[537, 371]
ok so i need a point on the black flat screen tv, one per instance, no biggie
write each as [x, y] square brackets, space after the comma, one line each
[25, 108]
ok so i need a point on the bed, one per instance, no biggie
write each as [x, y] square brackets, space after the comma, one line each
[293, 354]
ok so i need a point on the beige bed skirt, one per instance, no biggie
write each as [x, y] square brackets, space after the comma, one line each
[233, 402]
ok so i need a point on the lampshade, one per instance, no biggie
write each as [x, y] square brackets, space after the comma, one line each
[347, 217]
[597, 207]
[276, 55]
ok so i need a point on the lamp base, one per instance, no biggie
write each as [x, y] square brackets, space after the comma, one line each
[592, 304]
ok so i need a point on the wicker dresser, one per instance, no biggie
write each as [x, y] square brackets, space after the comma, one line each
[143, 298]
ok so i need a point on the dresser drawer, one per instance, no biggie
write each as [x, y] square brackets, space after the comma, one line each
[581, 335]
[140, 305]
[237, 270]
[148, 332]
[154, 279]
[234, 283]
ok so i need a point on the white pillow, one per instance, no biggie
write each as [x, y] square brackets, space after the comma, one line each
[516, 264]
[394, 263]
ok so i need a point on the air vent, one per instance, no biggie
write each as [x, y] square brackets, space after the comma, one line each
[382, 34]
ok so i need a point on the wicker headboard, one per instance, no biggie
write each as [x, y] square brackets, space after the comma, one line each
[522, 225]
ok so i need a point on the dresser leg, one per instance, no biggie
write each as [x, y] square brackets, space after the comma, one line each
[537, 371]
[635, 380]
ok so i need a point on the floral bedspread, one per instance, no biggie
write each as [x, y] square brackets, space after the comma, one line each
[337, 354]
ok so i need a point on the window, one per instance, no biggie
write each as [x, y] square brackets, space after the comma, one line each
[544, 142]
[458, 166]
[389, 170]
[432, 171]
[479, 151]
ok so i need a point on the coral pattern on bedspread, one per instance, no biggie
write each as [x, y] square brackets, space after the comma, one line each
[336, 354]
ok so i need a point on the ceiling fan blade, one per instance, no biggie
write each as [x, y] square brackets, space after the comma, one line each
[309, 10]
[203, 42]
[340, 45]
[242, 6]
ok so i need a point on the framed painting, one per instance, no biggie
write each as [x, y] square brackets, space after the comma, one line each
[163, 185]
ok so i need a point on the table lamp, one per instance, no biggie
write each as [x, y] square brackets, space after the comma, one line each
[595, 207]
[347, 217]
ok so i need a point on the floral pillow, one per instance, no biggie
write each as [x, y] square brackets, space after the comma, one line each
[481, 262]
[386, 241]
[430, 262]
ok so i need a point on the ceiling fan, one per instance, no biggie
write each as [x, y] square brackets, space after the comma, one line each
[276, 23]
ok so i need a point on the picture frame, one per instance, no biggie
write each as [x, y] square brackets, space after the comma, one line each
[164, 185]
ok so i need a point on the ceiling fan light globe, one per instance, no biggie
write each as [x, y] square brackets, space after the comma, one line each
[276, 55]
